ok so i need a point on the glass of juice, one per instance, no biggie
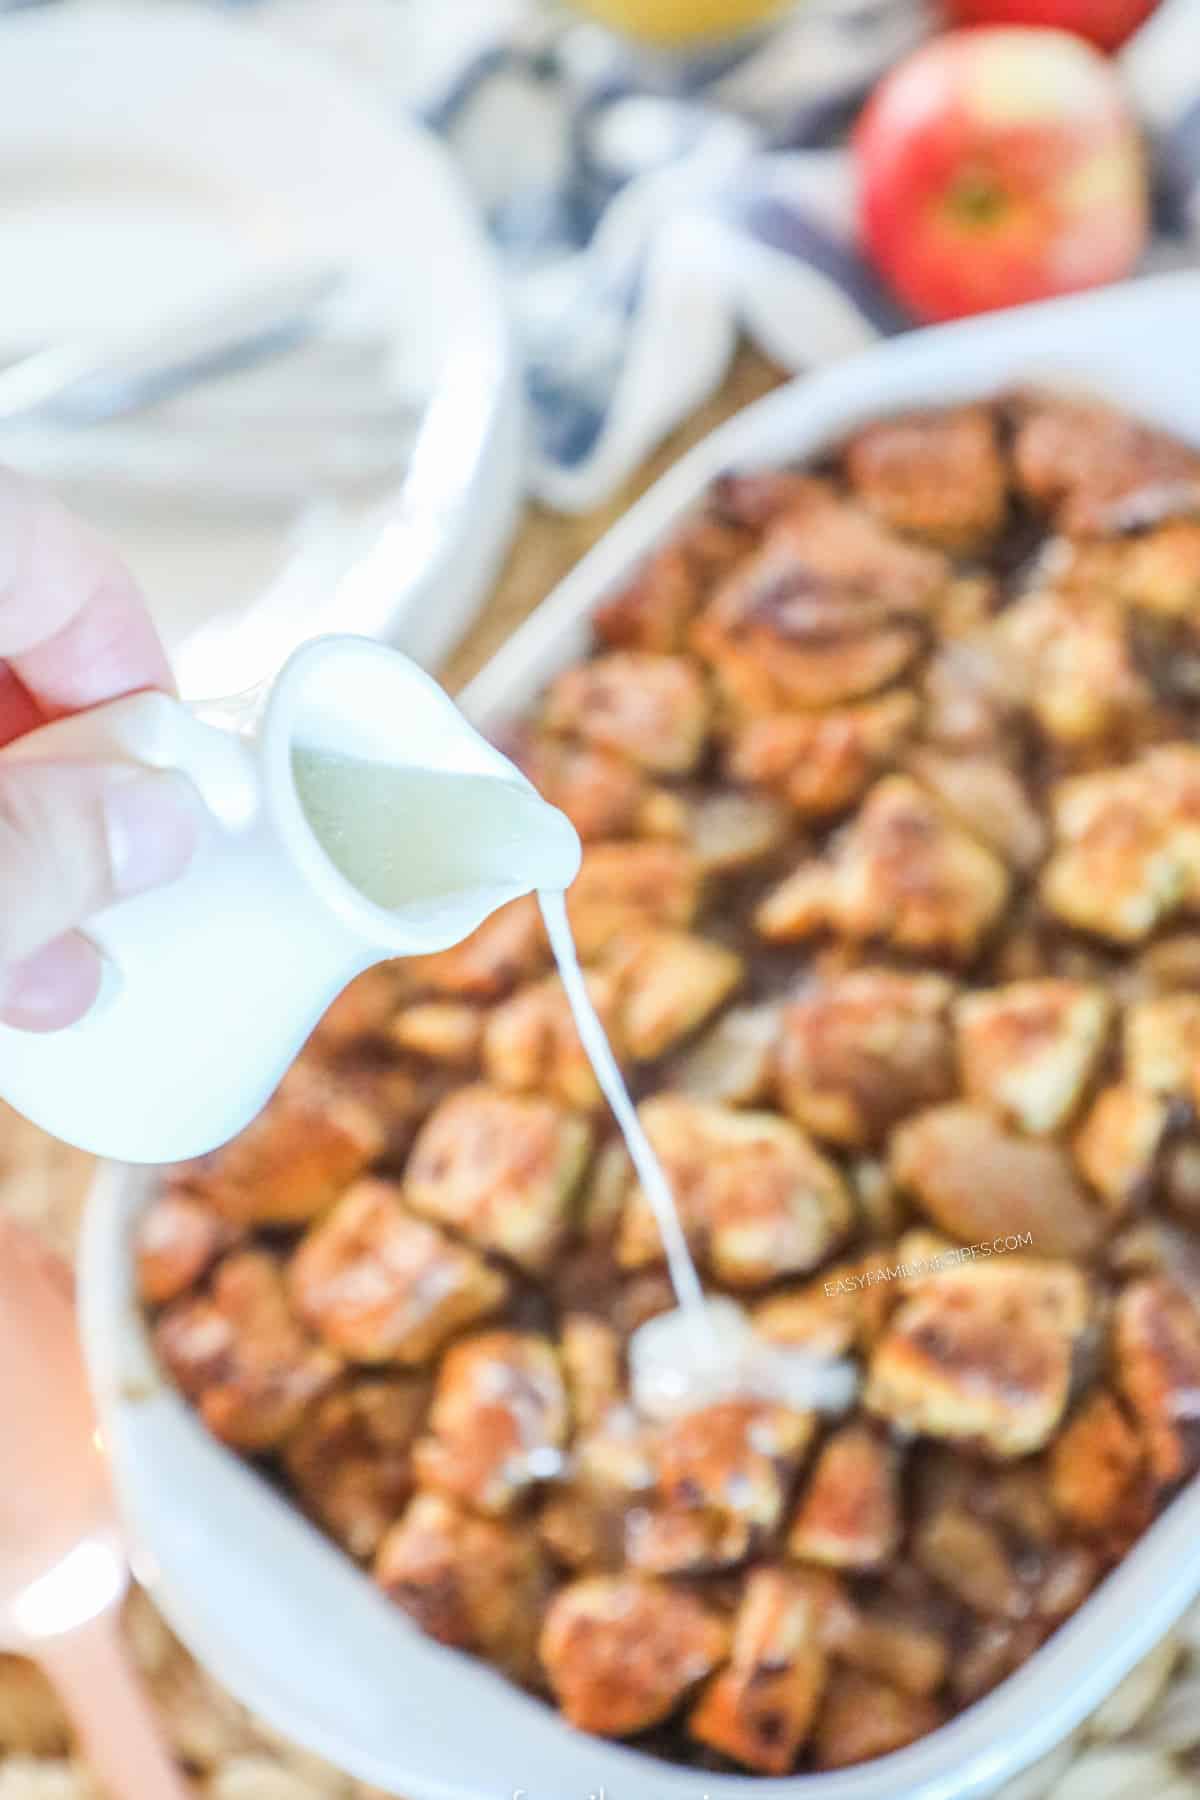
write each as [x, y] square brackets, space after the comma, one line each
[683, 24]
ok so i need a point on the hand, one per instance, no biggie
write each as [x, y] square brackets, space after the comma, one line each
[74, 836]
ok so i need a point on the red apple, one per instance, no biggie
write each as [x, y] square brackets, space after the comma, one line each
[999, 166]
[1106, 22]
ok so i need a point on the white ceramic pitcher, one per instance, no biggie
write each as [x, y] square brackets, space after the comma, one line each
[218, 978]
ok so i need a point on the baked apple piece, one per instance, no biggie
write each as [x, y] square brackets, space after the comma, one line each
[501, 1169]
[862, 1717]
[474, 1583]
[1162, 1045]
[378, 1285]
[238, 1353]
[760, 1708]
[977, 1180]
[757, 1199]
[622, 1651]
[499, 1420]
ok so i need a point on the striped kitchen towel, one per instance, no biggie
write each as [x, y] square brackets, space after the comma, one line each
[647, 211]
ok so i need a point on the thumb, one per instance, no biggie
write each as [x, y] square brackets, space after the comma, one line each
[77, 836]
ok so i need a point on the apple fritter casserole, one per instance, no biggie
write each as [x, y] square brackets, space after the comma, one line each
[888, 776]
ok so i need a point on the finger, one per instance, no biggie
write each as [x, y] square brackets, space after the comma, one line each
[54, 987]
[75, 837]
[18, 711]
[72, 622]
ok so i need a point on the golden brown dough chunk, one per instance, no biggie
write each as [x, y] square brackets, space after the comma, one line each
[842, 1309]
[600, 793]
[500, 1168]
[731, 829]
[622, 1651]
[1156, 1342]
[760, 1709]
[905, 872]
[531, 1045]
[967, 1555]
[349, 1458]
[1096, 469]
[378, 1285]
[1074, 659]
[498, 1422]
[239, 1355]
[651, 611]
[1116, 1146]
[733, 1063]
[178, 1239]
[361, 1010]
[858, 1053]
[308, 1144]
[477, 1584]
[591, 1362]
[971, 699]
[1094, 1463]
[584, 1522]
[900, 1644]
[507, 949]
[826, 611]
[443, 1031]
[1162, 1044]
[862, 1718]
[1127, 845]
[653, 709]
[939, 475]
[667, 983]
[977, 1181]
[1028, 1049]
[822, 762]
[849, 1513]
[723, 1477]
[981, 1354]
[621, 886]
[988, 798]
[757, 1200]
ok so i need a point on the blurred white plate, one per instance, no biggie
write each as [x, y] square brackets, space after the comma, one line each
[153, 160]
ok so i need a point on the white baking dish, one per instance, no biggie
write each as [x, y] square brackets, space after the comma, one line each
[287, 1621]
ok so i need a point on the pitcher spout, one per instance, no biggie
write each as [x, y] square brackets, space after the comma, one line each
[380, 784]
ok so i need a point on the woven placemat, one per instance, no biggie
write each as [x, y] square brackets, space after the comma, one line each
[1143, 1744]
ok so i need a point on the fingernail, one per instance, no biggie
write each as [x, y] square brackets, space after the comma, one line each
[153, 819]
[57, 986]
